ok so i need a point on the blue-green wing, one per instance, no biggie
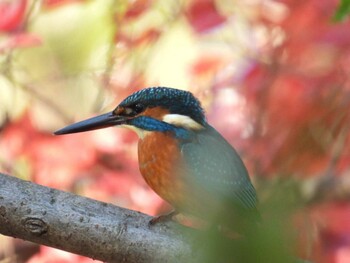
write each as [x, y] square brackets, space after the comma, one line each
[218, 169]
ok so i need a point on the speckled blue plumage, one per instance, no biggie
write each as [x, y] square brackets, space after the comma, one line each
[175, 100]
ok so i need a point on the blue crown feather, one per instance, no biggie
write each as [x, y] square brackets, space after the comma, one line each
[175, 100]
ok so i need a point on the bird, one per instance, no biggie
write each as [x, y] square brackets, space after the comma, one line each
[182, 157]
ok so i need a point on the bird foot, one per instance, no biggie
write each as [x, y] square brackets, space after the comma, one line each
[163, 218]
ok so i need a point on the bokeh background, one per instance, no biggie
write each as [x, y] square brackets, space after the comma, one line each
[273, 77]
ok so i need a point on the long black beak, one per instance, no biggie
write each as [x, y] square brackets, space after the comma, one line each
[95, 123]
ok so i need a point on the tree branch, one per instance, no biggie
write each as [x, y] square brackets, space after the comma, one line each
[87, 227]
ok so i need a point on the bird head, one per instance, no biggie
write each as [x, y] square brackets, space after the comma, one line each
[150, 109]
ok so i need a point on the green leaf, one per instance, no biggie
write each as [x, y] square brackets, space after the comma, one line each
[343, 11]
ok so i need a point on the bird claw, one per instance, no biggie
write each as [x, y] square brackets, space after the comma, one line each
[163, 218]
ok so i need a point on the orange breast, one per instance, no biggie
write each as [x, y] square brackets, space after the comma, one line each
[162, 168]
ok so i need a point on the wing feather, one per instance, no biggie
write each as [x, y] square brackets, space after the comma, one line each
[218, 168]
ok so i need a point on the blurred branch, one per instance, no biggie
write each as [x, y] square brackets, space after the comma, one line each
[331, 186]
[87, 227]
[326, 189]
[30, 12]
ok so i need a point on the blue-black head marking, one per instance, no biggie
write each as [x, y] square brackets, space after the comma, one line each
[175, 100]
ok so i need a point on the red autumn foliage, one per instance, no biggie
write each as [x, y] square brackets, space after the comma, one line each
[299, 104]
[136, 8]
[20, 40]
[146, 37]
[300, 92]
[51, 4]
[207, 65]
[203, 15]
[290, 105]
[12, 22]
[333, 243]
[12, 14]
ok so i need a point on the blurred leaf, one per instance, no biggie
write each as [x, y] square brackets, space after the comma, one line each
[203, 15]
[51, 4]
[21, 40]
[86, 36]
[343, 11]
[271, 240]
[12, 14]
[136, 8]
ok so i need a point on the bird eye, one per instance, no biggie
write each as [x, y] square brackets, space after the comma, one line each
[138, 108]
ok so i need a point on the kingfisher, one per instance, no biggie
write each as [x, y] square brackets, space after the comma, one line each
[181, 157]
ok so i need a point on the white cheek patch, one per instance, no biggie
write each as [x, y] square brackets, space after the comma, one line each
[182, 121]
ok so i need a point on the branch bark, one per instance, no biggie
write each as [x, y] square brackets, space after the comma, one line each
[88, 227]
